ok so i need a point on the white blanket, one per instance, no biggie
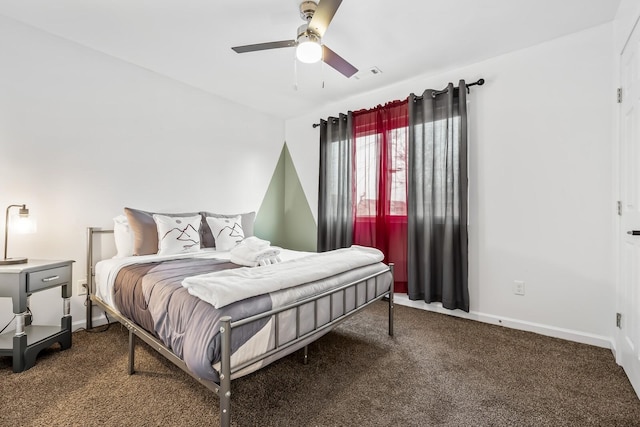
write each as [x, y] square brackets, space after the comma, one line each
[225, 287]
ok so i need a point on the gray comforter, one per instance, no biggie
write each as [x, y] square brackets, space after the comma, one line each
[152, 295]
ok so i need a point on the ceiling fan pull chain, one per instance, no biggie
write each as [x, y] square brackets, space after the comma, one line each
[295, 74]
[322, 72]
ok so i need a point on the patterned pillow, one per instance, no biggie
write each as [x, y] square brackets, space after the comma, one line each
[145, 231]
[246, 221]
[227, 232]
[177, 235]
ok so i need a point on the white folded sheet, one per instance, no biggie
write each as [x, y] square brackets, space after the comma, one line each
[252, 252]
[255, 243]
[225, 287]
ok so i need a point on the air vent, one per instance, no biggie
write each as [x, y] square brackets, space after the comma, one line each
[368, 73]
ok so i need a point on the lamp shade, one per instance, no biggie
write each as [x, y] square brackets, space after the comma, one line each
[20, 223]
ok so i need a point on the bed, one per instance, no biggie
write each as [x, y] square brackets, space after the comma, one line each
[218, 335]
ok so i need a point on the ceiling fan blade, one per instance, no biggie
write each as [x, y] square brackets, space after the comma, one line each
[323, 15]
[264, 46]
[337, 62]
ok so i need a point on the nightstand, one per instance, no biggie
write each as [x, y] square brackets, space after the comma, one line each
[18, 282]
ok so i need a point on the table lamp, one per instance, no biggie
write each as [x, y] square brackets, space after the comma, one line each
[20, 223]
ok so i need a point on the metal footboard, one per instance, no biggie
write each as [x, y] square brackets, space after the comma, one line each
[301, 340]
[226, 329]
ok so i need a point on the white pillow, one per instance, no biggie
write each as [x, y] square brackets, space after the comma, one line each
[123, 236]
[227, 232]
[178, 235]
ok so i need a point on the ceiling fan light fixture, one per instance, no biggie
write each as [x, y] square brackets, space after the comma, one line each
[309, 51]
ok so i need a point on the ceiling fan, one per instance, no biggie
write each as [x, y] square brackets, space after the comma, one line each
[309, 49]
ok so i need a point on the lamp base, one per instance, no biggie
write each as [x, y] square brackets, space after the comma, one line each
[10, 261]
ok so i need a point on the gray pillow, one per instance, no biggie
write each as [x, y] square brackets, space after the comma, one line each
[246, 220]
[145, 231]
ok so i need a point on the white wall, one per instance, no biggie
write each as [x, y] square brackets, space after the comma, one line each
[83, 134]
[626, 18]
[540, 182]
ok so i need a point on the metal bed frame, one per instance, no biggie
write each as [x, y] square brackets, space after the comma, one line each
[223, 390]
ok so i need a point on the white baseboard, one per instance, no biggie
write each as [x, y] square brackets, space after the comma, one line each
[551, 331]
[98, 320]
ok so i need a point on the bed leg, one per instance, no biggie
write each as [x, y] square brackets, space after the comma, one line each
[306, 355]
[89, 276]
[391, 300]
[225, 372]
[132, 351]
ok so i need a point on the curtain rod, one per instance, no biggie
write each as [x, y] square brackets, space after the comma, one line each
[479, 82]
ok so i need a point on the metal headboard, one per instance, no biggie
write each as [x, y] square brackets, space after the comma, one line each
[90, 271]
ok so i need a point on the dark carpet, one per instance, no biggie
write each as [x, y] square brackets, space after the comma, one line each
[438, 370]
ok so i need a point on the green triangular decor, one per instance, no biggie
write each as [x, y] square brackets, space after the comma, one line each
[285, 217]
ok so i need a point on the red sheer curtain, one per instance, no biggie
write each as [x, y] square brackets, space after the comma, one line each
[380, 187]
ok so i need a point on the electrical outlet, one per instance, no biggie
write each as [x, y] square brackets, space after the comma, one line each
[81, 287]
[518, 287]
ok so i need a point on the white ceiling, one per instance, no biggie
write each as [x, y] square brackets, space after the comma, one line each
[191, 40]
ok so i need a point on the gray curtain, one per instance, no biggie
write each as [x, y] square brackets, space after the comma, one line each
[437, 255]
[335, 207]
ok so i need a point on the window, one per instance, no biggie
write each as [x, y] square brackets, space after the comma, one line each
[380, 157]
[368, 173]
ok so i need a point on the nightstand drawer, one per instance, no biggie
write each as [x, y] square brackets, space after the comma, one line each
[48, 278]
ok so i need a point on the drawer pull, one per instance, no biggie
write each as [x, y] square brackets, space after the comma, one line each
[49, 279]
